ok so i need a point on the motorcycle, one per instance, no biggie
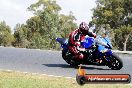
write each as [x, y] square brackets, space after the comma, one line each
[98, 52]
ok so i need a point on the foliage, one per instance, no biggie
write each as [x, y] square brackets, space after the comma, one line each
[122, 35]
[116, 15]
[6, 38]
[20, 34]
[41, 30]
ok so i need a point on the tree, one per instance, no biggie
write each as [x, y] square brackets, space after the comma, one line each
[34, 26]
[116, 14]
[21, 36]
[51, 23]
[47, 11]
[41, 30]
[122, 36]
[6, 38]
[66, 24]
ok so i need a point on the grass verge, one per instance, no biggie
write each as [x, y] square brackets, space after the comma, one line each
[27, 80]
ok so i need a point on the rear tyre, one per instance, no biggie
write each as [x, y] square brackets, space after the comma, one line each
[115, 62]
[67, 56]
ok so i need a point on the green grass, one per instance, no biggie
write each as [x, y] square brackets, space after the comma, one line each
[26, 80]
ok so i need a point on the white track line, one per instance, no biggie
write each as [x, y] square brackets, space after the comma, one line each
[35, 73]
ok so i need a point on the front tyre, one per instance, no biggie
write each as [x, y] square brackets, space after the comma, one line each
[115, 63]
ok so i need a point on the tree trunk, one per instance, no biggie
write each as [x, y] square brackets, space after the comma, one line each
[125, 43]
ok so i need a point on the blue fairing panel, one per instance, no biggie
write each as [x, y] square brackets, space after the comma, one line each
[100, 48]
[88, 42]
[63, 42]
[106, 40]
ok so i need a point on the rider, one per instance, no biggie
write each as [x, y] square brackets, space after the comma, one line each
[76, 37]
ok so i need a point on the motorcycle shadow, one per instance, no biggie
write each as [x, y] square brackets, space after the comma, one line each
[58, 65]
[94, 68]
[68, 66]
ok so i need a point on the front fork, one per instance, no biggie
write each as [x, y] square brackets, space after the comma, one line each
[106, 56]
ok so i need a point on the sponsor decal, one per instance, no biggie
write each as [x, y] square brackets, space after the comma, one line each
[83, 78]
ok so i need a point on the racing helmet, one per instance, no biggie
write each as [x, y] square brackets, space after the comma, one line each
[83, 28]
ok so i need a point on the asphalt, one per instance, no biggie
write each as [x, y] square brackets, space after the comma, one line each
[51, 63]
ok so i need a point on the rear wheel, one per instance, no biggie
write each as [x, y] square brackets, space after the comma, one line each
[67, 56]
[115, 63]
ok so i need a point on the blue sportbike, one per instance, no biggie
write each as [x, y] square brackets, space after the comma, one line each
[98, 52]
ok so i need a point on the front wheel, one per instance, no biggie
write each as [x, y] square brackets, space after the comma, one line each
[115, 63]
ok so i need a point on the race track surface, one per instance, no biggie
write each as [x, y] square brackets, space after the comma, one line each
[51, 63]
